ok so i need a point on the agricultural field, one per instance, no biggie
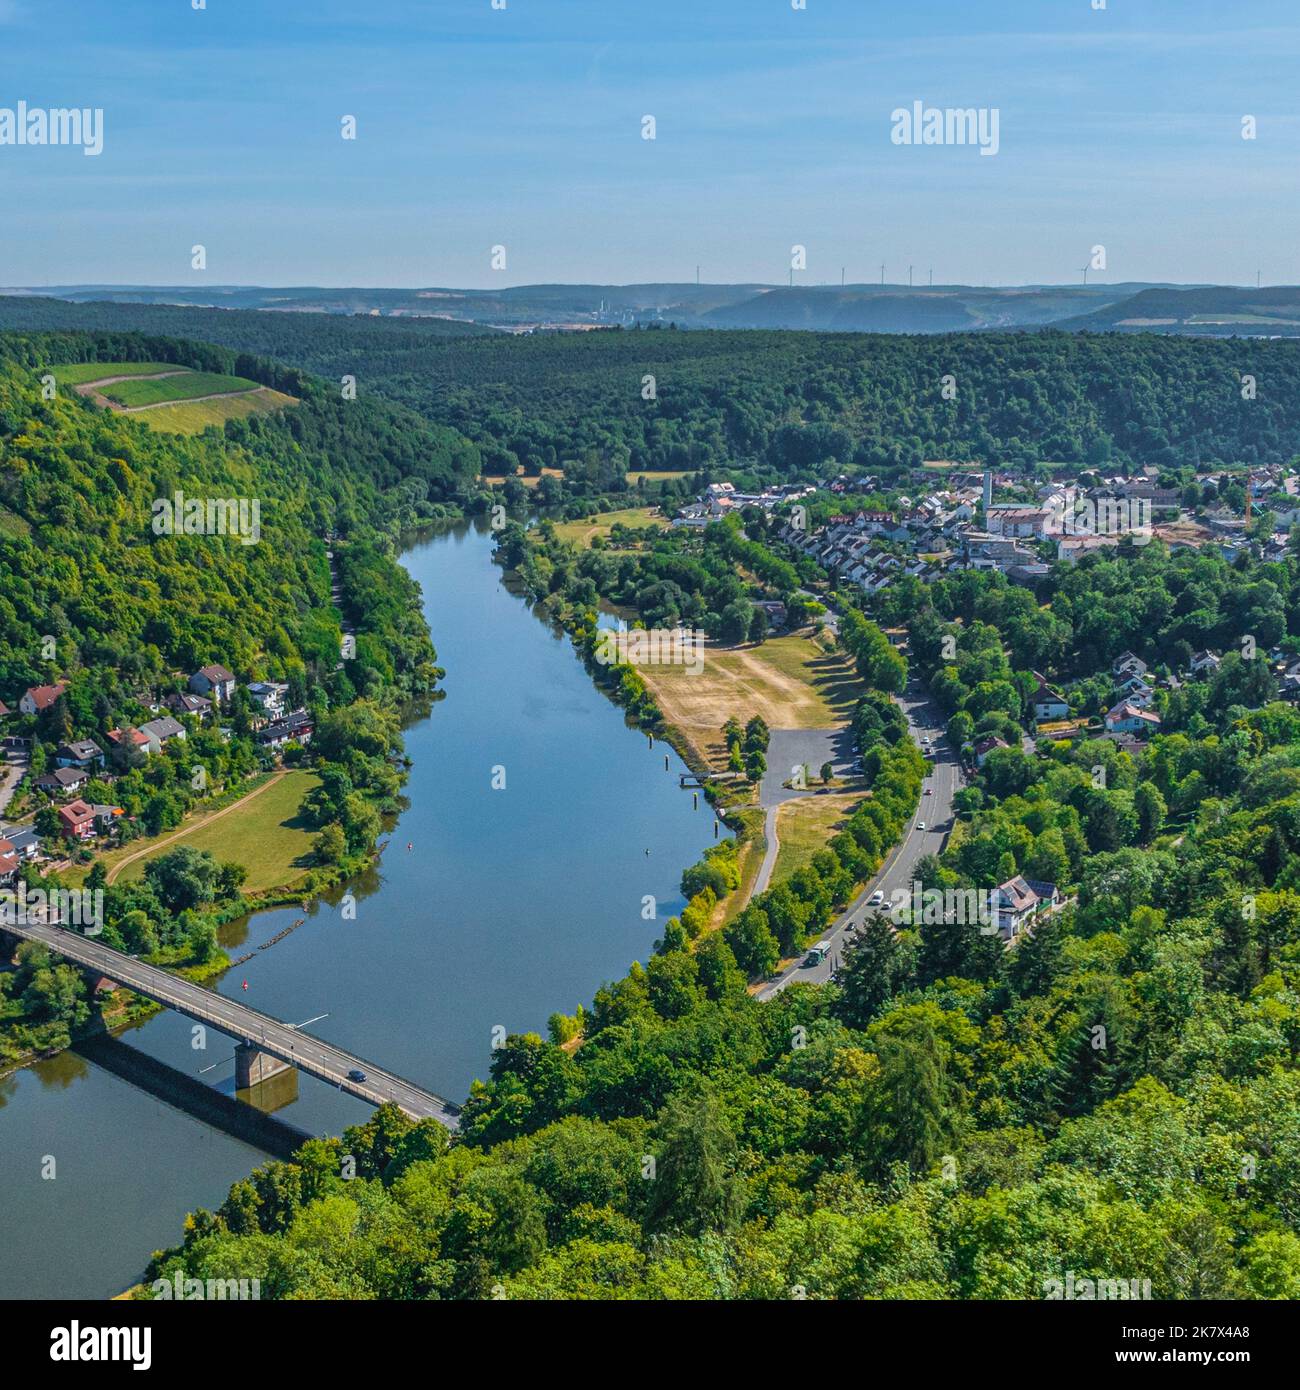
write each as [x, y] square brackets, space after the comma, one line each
[193, 417]
[82, 373]
[170, 398]
[657, 475]
[175, 386]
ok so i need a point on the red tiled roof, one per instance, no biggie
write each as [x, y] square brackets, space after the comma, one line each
[43, 696]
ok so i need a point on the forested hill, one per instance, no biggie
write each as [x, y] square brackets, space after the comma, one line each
[79, 560]
[786, 399]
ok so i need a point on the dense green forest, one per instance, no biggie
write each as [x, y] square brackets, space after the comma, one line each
[786, 401]
[129, 609]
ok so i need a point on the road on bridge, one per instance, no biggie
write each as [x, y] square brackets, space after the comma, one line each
[897, 872]
[299, 1049]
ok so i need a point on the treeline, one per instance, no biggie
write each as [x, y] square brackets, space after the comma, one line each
[790, 402]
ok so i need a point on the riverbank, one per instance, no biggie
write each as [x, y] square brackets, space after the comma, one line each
[513, 902]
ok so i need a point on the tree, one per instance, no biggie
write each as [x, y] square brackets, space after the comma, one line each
[912, 1104]
[876, 966]
[331, 844]
[695, 1186]
[183, 878]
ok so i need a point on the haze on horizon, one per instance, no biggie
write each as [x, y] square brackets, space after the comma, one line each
[522, 128]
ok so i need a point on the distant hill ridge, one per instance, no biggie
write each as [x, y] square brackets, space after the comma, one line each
[855, 308]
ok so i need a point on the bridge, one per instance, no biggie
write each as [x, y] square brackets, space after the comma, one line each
[267, 1046]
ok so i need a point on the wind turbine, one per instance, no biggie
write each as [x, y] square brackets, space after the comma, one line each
[1086, 269]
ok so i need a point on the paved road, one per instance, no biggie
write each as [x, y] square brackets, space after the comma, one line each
[12, 771]
[320, 1059]
[935, 813]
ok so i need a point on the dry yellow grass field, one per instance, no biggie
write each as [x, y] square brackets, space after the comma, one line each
[790, 681]
[807, 825]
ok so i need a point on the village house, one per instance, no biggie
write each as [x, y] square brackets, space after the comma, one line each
[77, 821]
[1013, 521]
[297, 728]
[62, 780]
[129, 738]
[106, 817]
[41, 697]
[1203, 662]
[1048, 702]
[161, 731]
[270, 696]
[1289, 683]
[1018, 901]
[9, 863]
[984, 747]
[185, 703]
[1126, 664]
[1070, 549]
[1128, 718]
[83, 753]
[215, 682]
[24, 839]
[1027, 576]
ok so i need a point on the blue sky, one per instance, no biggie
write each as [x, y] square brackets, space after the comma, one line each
[475, 126]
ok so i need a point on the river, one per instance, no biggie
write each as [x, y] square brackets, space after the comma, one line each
[511, 903]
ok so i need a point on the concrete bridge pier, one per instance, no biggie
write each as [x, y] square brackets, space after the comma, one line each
[253, 1066]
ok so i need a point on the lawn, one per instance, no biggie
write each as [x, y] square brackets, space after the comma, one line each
[265, 834]
[153, 391]
[193, 417]
[83, 373]
[582, 532]
[657, 475]
[791, 681]
[807, 825]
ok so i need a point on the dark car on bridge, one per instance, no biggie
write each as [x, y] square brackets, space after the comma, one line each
[356, 1074]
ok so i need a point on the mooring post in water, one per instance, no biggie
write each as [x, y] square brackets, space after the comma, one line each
[695, 801]
[665, 762]
[651, 737]
[715, 829]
